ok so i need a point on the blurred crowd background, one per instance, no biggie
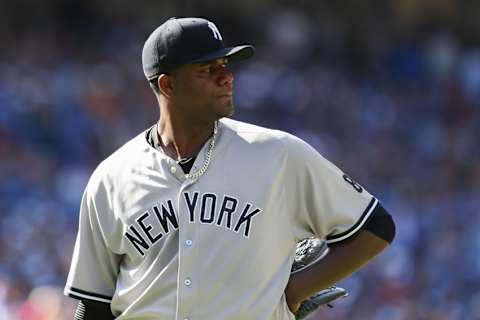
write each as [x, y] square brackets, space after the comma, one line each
[387, 90]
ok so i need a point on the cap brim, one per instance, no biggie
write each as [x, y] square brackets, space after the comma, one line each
[237, 53]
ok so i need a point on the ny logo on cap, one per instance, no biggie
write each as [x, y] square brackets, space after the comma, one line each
[216, 33]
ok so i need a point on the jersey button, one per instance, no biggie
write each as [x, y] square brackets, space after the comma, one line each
[188, 282]
[173, 170]
[188, 243]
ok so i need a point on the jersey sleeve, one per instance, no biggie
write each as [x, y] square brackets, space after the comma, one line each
[94, 266]
[325, 202]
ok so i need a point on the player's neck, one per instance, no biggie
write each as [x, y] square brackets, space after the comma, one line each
[182, 138]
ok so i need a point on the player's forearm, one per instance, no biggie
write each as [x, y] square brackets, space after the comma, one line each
[343, 259]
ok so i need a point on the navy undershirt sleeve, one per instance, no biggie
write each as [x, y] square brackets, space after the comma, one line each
[381, 224]
[93, 310]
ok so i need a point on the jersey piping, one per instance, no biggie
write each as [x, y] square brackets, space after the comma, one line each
[82, 294]
[357, 226]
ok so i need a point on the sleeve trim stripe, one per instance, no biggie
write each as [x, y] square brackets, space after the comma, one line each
[82, 294]
[365, 215]
[102, 296]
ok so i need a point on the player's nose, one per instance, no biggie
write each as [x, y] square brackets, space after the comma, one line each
[225, 77]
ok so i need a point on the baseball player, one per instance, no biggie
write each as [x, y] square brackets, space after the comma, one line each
[198, 216]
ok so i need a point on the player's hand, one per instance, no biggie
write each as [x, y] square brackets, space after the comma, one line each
[293, 305]
[308, 252]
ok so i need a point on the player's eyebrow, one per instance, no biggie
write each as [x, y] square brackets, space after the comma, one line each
[216, 61]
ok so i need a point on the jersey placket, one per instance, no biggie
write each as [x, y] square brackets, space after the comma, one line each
[187, 285]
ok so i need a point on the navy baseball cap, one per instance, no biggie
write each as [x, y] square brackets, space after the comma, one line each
[186, 40]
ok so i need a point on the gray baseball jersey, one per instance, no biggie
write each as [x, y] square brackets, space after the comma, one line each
[157, 245]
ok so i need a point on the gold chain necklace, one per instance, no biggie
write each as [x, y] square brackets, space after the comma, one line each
[208, 156]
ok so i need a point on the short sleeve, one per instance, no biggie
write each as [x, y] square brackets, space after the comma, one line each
[94, 266]
[324, 201]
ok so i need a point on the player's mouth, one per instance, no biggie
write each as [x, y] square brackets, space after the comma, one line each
[225, 96]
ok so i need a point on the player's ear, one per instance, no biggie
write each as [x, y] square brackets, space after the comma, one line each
[165, 85]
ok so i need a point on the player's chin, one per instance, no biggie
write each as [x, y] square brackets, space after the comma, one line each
[225, 109]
